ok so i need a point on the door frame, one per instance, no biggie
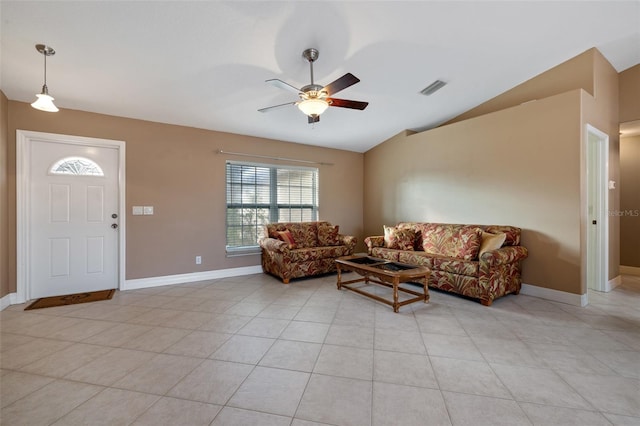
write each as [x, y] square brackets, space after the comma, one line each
[24, 138]
[596, 143]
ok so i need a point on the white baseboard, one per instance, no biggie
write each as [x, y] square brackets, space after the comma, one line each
[6, 300]
[629, 270]
[190, 277]
[12, 298]
[554, 295]
[611, 284]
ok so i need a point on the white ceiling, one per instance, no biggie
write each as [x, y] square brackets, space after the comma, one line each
[203, 64]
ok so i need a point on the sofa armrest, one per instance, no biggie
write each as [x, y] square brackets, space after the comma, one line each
[504, 255]
[273, 244]
[374, 241]
[348, 240]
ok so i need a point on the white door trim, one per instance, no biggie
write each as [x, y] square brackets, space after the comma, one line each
[23, 185]
[599, 257]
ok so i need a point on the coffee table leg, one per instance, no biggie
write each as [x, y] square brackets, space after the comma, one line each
[426, 288]
[396, 306]
[339, 283]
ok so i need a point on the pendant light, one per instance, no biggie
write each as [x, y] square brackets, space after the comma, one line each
[45, 101]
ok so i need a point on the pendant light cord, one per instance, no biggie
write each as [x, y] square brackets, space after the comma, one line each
[45, 69]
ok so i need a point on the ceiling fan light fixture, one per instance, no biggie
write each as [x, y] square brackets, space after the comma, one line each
[45, 101]
[313, 107]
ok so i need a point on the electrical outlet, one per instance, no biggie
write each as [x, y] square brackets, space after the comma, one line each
[198, 260]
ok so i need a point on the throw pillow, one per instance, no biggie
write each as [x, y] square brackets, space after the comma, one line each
[491, 242]
[399, 239]
[287, 238]
[328, 235]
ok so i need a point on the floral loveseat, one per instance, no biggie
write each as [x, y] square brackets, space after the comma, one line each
[301, 249]
[479, 261]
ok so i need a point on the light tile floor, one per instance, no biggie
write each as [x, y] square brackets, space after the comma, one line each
[252, 351]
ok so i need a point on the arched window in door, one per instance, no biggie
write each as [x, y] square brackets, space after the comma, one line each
[78, 166]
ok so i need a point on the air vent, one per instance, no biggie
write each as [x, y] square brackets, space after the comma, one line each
[433, 87]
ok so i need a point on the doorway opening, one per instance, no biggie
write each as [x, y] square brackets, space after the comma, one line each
[597, 206]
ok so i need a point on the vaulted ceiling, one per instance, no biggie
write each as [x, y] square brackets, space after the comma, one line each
[204, 64]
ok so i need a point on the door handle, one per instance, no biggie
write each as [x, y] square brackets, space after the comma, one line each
[114, 225]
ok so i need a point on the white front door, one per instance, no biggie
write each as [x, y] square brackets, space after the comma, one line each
[73, 197]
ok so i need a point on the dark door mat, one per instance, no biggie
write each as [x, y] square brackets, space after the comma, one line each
[71, 299]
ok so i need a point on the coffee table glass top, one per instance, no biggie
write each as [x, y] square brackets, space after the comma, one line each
[386, 265]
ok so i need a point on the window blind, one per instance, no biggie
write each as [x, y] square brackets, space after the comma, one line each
[258, 194]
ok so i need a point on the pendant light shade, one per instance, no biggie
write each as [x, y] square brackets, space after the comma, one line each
[45, 101]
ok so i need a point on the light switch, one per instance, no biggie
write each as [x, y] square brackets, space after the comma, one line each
[148, 210]
[137, 210]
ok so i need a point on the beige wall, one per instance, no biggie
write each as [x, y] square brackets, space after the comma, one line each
[576, 73]
[509, 162]
[629, 86]
[493, 169]
[630, 201]
[630, 94]
[4, 243]
[176, 170]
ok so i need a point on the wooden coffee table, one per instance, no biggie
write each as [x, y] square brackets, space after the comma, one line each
[384, 272]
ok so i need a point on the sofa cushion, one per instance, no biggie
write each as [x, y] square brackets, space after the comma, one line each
[418, 258]
[305, 234]
[450, 240]
[316, 253]
[287, 238]
[399, 238]
[328, 235]
[385, 253]
[440, 263]
[491, 242]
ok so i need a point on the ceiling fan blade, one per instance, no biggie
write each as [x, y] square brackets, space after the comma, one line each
[276, 106]
[340, 84]
[345, 103]
[313, 119]
[282, 85]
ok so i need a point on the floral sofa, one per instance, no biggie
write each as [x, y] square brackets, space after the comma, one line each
[478, 261]
[301, 249]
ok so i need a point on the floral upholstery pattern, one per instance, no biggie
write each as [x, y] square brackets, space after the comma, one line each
[452, 241]
[513, 234]
[305, 234]
[456, 267]
[442, 263]
[399, 238]
[287, 238]
[328, 235]
[309, 257]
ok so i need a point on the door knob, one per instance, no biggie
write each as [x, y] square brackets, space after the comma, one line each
[114, 216]
[114, 225]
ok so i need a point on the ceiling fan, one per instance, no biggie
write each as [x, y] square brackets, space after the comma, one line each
[315, 99]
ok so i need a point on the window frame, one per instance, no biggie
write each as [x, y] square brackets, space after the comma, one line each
[273, 206]
[53, 169]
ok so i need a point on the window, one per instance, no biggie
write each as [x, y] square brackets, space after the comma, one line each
[78, 166]
[258, 194]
